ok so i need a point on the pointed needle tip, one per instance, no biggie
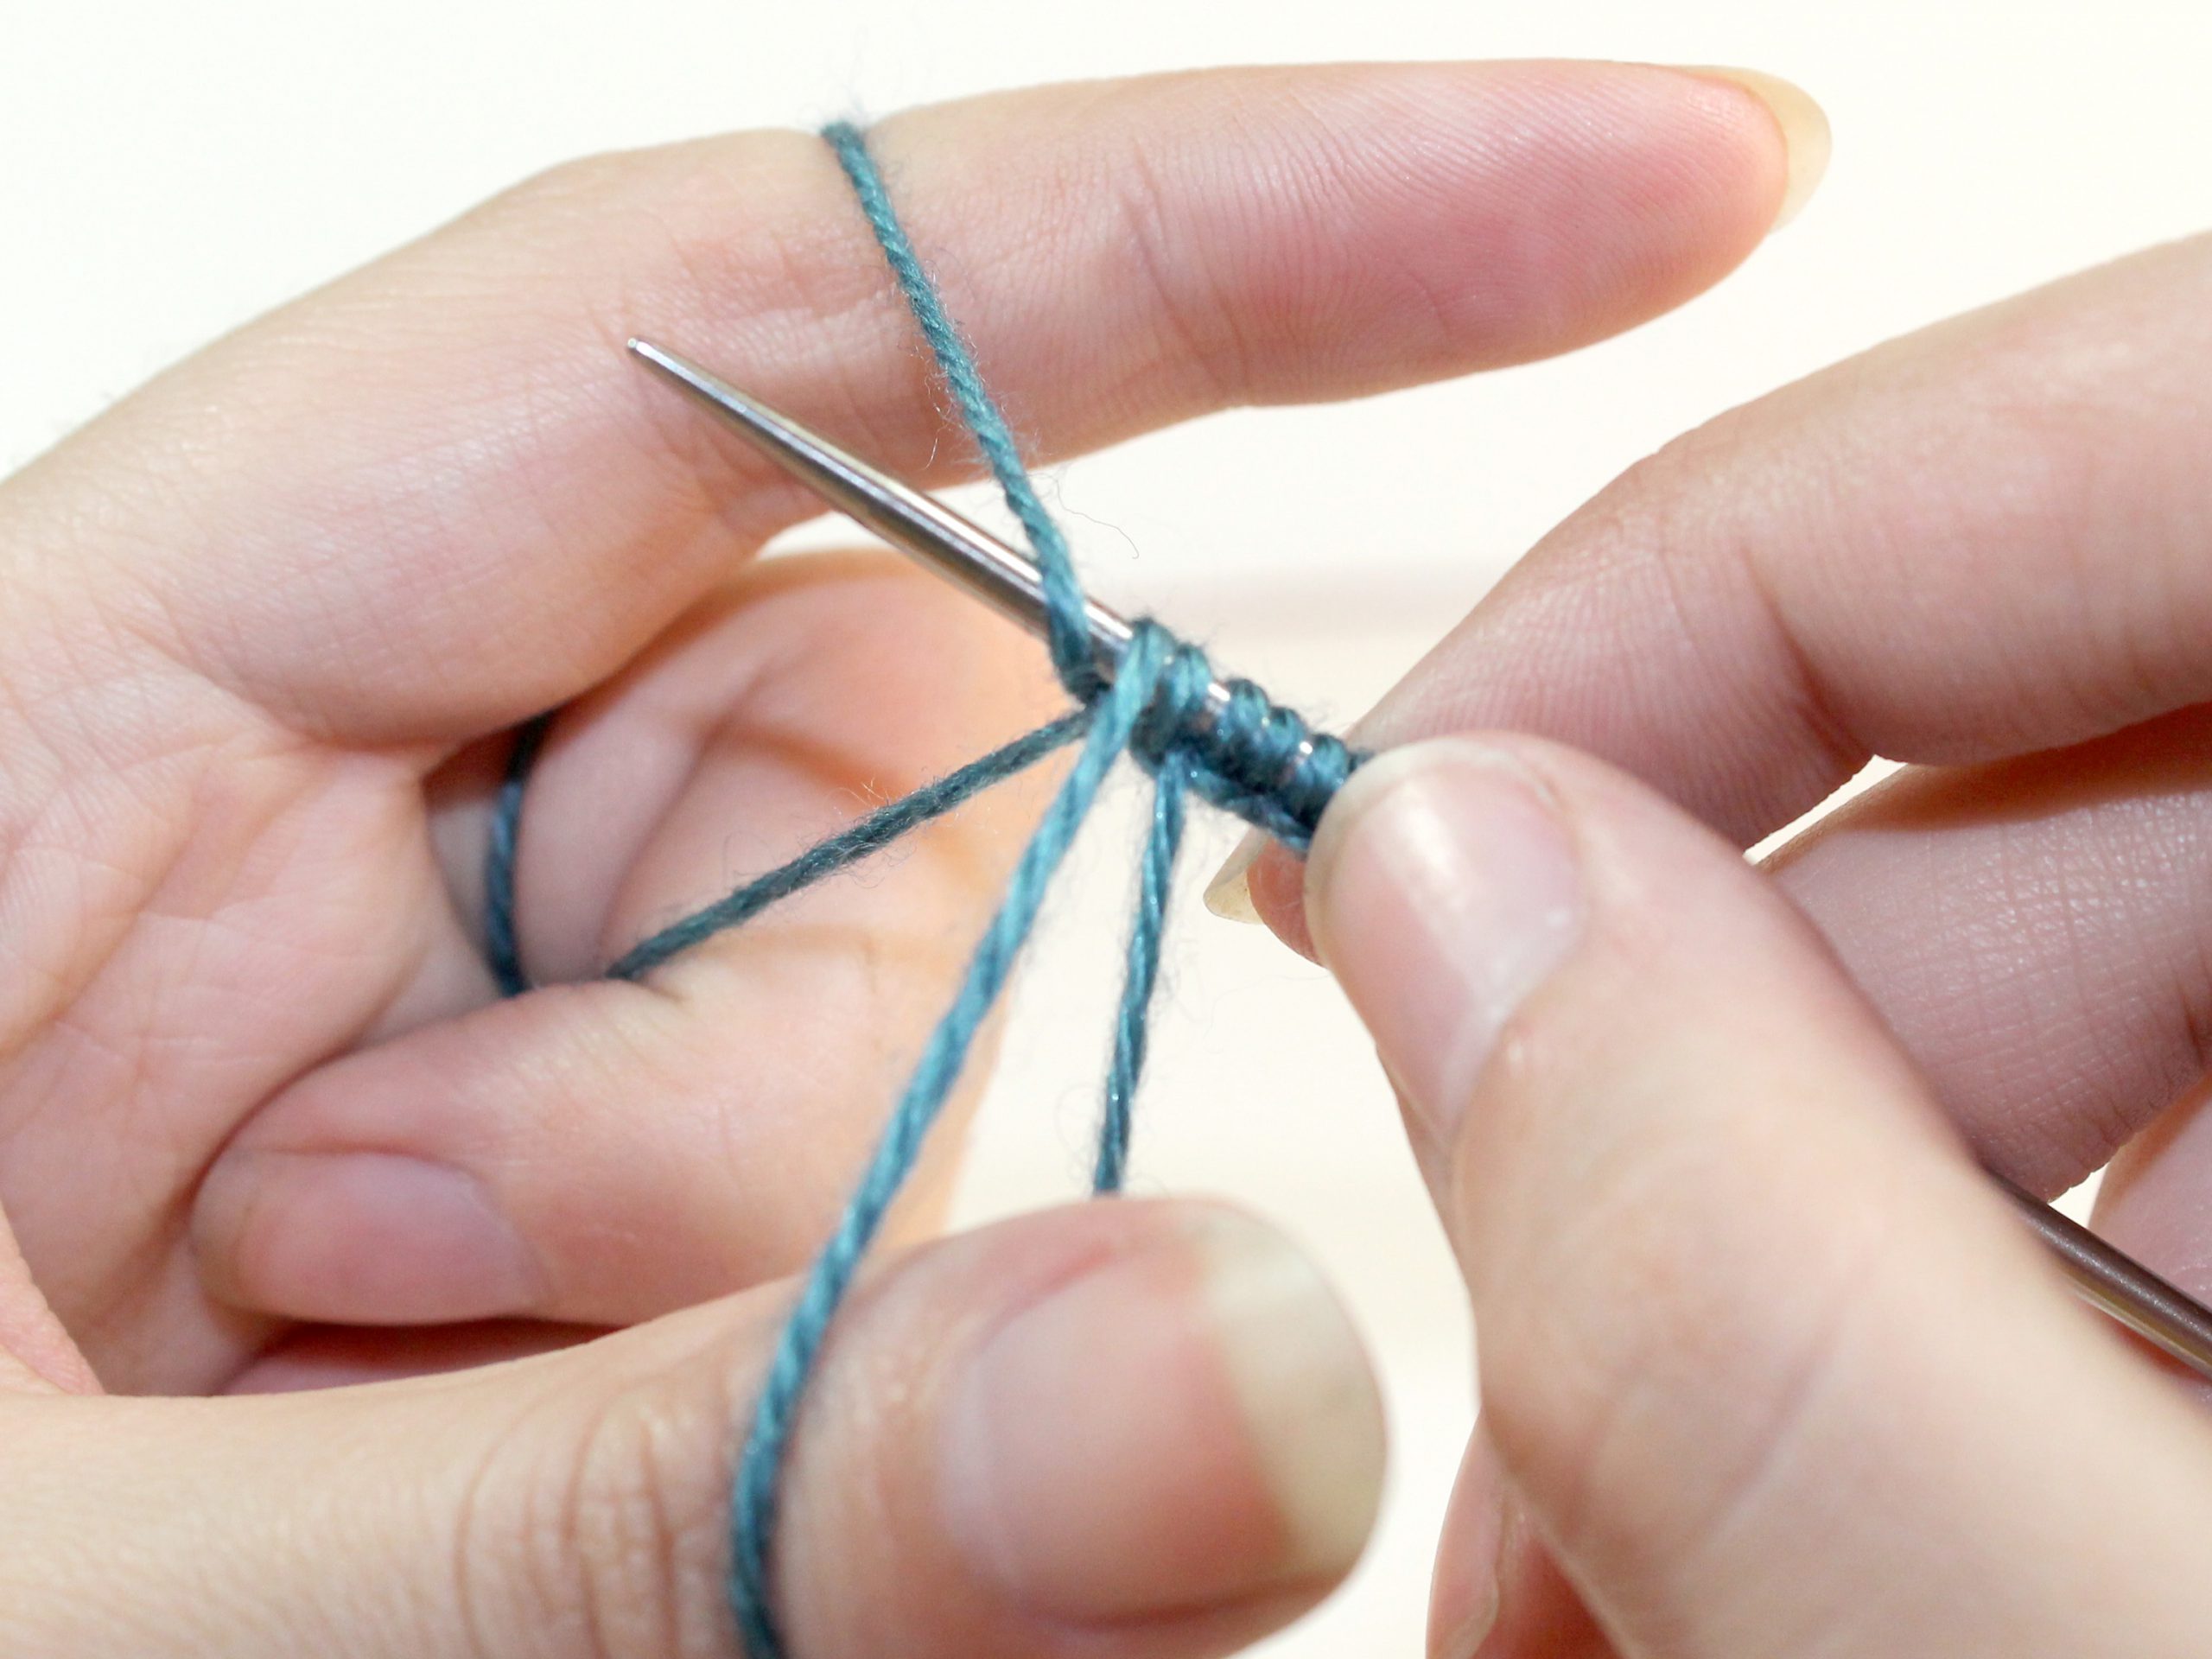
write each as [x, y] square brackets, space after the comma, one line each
[697, 381]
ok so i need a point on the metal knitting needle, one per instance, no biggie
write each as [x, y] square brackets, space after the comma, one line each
[2108, 1279]
[2116, 1284]
[965, 553]
[973, 558]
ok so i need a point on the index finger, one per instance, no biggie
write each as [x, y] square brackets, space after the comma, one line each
[324, 512]
[1981, 541]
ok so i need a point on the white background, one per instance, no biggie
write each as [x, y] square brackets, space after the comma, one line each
[171, 170]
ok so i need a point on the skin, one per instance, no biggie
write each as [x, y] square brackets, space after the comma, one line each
[262, 1121]
[1765, 1369]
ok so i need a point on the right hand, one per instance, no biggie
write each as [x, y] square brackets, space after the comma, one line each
[1768, 1368]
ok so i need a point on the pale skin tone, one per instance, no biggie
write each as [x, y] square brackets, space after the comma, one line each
[263, 1123]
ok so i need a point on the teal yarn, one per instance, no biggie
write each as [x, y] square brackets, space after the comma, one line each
[1068, 636]
[1251, 757]
[502, 949]
[759, 1468]
[1155, 873]
[848, 846]
[871, 834]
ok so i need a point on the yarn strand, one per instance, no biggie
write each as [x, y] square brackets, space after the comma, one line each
[1131, 1018]
[1253, 757]
[848, 846]
[502, 948]
[1068, 637]
[760, 1467]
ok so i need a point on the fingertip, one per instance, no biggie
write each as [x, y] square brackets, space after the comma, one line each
[1498, 1592]
[1229, 892]
[1263, 883]
[1306, 1397]
[359, 1237]
[1554, 204]
[1808, 141]
[1189, 1424]
[1444, 887]
[1463, 1603]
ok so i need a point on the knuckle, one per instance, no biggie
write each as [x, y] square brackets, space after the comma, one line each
[1194, 317]
[1690, 531]
[732, 223]
[653, 1533]
[608, 1537]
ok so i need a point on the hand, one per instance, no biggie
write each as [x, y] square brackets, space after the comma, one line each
[1766, 1367]
[262, 1121]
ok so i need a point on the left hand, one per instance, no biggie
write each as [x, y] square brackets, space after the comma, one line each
[263, 1119]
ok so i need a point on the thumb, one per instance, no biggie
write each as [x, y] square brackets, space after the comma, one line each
[1771, 1369]
[1130, 1430]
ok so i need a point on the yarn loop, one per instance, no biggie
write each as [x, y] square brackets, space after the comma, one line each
[1255, 757]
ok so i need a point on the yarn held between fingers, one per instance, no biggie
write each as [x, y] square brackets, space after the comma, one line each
[1252, 757]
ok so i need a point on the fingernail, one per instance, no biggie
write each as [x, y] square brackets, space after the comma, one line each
[1188, 1424]
[1441, 891]
[1465, 1640]
[361, 1237]
[1805, 134]
[1465, 1599]
[1229, 895]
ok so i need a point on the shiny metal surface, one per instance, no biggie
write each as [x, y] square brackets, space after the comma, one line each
[964, 552]
[2115, 1283]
